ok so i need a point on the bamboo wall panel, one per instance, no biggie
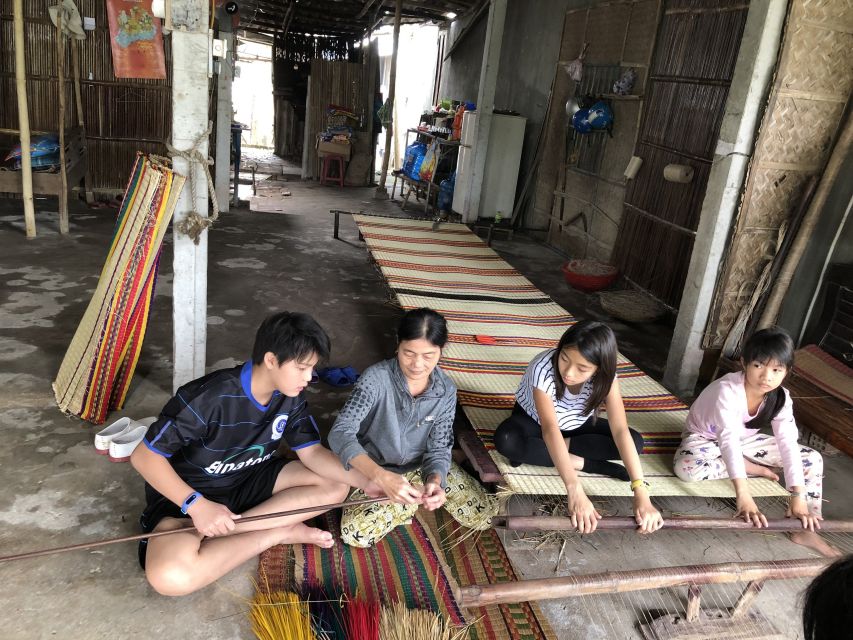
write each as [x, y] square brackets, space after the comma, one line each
[120, 115]
[620, 35]
[332, 82]
[812, 86]
[694, 59]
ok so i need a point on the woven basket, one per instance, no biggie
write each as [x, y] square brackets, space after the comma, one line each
[631, 306]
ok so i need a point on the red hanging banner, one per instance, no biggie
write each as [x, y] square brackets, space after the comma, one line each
[136, 39]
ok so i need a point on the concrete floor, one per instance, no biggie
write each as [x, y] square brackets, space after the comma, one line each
[58, 492]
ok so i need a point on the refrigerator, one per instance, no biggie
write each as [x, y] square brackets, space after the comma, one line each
[501, 171]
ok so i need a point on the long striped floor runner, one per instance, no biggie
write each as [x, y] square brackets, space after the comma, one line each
[453, 271]
[97, 368]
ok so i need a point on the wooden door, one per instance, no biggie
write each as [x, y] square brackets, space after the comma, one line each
[692, 66]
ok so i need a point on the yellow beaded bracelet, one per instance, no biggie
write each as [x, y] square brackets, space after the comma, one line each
[639, 483]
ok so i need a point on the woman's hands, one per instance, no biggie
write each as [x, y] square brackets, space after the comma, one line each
[583, 514]
[648, 518]
[211, 518]
[398, 489]
[434, 495]
[797, 508]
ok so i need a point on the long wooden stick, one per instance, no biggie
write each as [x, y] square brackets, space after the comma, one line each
[157, 534]
[562, 523]
[60, 72]
[81, 120]
[636, 580]
[24, 120]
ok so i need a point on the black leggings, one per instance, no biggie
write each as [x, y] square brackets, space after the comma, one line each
[519, 438]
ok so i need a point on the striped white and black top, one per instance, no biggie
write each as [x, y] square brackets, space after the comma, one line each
[540, 375]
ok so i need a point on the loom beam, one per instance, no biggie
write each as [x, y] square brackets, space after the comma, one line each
[636, 580]
[562, 523]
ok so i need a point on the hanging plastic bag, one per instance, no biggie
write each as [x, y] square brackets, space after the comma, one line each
[623, 86]
[427, 167]
[575, 67]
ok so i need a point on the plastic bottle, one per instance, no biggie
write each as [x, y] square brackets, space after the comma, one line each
[457, 123]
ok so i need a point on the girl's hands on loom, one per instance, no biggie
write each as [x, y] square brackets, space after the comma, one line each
[581, 510]
[434, 495]
[748, 510]
[797, 508]
[648, 518]
[398, 489]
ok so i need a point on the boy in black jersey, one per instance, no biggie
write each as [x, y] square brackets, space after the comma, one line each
[211, 456]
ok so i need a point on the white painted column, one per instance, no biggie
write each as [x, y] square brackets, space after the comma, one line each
[224, 110]
[486, 101]
[744, 108]
[190, 56]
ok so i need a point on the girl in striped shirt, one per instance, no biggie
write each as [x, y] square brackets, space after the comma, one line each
[554, 422]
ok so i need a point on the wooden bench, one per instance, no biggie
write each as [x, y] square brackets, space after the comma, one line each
[49, 183]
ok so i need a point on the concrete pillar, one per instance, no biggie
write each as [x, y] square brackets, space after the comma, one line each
[744, 108]
[486, 100]
[190, 55]
[224, 110]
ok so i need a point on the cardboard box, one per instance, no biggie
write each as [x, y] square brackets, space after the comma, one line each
[333, 148]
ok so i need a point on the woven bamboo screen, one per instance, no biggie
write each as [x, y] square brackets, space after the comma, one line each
[812, 86]
[121, 115]
[332, 82]
[695, 55]
[583, 174]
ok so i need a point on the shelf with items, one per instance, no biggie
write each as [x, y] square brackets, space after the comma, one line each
[445, 165]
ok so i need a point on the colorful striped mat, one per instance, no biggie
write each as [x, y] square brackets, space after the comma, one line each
[450, 269]
[416, 564]
[95, 373]
[825, 372]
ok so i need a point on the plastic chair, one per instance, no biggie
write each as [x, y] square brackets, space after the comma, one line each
[326, 175]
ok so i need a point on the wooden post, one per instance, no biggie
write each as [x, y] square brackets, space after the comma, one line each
[224, 82]
[747, 597]
[81, 120]
[24, 120]
[60, 72]
[637, 580]
[190, 55]
[381, 193]
[694, 600]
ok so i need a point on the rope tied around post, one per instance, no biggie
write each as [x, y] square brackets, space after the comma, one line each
[194, 224]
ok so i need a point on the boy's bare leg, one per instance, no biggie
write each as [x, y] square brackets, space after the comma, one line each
[185, 562]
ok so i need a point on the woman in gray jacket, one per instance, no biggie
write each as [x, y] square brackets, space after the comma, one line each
[397, 429]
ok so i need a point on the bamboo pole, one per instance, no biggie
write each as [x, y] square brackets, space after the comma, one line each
[562, 523]
[389, 130]
[81, 121]
[804, 235]
[636, 580]
[24, 120]
[157, 534]
[60, 72]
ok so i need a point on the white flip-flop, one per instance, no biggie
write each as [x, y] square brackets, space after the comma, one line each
[122, 445]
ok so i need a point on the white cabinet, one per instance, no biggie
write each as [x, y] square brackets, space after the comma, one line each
[501, 173]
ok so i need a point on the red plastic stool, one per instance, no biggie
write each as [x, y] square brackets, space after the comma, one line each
[326, 175]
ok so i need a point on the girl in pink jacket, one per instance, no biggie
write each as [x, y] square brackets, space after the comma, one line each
[722, 437]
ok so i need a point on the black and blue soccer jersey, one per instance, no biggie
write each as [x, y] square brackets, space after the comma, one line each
[214, 429]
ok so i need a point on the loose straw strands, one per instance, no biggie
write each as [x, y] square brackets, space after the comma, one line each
[397, 622]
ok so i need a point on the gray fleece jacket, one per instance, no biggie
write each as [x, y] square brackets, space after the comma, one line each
[397, 431]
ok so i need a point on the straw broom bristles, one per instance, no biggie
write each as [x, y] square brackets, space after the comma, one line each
[398, 622]
[276, 615]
